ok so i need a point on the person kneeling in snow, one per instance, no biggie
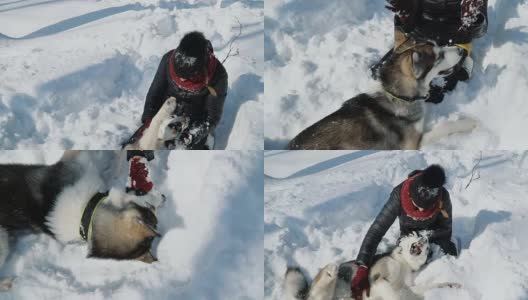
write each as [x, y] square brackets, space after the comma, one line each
[197, 79]
[444, 23]
[420, 203]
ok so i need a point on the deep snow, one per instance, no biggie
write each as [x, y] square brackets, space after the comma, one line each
[317, 55]
[318, 205]
[74, 74]
[211, 245]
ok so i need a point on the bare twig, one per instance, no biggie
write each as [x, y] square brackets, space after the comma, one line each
[475, 171]
[233, 40]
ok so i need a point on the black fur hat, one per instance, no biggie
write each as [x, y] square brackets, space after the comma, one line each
[426, 187]
[191, 57]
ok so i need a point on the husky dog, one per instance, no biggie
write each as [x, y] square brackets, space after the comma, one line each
[392, 276]
[164, 130]
[55, 199]
[322, 288]
[392, 118]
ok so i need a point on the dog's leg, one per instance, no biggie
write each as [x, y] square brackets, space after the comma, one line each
[421, 289]
[447, 128]
[5, 283]
[149, 140]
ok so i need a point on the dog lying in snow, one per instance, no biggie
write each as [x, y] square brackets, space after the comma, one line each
[55, 199]
[391, 277]
[164, 130]
[392, 118]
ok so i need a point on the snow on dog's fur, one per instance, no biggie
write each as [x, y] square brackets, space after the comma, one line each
[165, 126]
[392, 277]
[52, 199]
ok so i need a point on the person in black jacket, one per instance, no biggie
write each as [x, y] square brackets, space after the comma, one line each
[197, 79]
[444, 23]
[420, 203]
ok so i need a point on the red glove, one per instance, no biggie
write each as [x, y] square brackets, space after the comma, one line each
[138, 179]
[360, 283]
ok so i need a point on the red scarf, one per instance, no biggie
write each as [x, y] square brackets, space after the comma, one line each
[198, 82]
[410, 209]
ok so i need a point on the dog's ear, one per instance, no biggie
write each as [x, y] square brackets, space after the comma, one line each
[417, 64]
[147, 257]
[145, 229]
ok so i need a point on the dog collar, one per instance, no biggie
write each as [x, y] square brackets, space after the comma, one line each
[404, 98]
[88, 213]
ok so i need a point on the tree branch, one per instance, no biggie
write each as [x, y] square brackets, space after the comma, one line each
[475, 171]
[229, 52]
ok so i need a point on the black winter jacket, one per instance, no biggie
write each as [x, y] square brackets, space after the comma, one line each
[201, 106]
[440, 225]
[446, 21]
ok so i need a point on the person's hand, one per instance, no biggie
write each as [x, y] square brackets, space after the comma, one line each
[360, 283]
[406, 10]
[186, 138]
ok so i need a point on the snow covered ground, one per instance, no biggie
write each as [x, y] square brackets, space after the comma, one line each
[211, 245]
[74, 74]
[317, 55]
[318, 210]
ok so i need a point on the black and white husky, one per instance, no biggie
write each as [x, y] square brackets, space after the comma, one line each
[391, 277]
[164, 130]
[393, 117]
[70, 201]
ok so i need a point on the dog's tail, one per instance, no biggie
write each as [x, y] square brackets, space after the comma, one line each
[295, 284]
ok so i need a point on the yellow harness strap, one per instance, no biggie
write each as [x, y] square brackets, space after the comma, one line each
[443, 211]
[466, 47]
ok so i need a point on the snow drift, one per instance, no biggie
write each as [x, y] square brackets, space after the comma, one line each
[319, 206]
[75, 73]
[211, 244]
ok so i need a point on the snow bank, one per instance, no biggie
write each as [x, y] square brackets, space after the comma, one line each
[211, 245]
[319, 210]
[75, 73]
[317, 55]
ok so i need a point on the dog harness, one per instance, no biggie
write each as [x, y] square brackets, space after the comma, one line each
[88, 213]
[414, 212]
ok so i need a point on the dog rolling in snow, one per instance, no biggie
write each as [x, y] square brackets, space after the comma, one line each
[392, 276]
[392, 118]
[163, 132]
[55, 199]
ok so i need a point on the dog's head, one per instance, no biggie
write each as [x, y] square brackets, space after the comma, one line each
[125, 233]
[412, 67]
[413, 249]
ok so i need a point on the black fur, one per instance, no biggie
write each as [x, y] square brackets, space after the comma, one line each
[350, 120]
[28, 193]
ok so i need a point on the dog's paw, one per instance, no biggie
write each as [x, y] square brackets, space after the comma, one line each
[153, 200]
[169, 106]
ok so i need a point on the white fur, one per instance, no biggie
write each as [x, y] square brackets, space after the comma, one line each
[65, 217]
[150, 140]
[445, 129]
[324, 287]
[397, 276]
